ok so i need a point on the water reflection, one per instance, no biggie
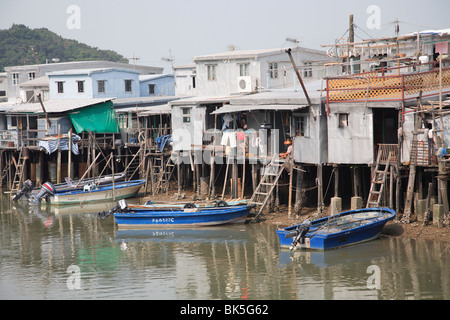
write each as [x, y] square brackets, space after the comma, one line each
[231, 262]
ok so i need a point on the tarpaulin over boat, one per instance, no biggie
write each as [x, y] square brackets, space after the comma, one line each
[96, 118]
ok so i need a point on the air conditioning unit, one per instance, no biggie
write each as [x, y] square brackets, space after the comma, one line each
[246, 84]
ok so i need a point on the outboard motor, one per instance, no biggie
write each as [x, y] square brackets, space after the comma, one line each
[301, 231]
[47, 190]
[27, 187]
[120, 207]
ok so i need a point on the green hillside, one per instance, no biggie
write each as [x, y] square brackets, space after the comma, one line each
[21, 45]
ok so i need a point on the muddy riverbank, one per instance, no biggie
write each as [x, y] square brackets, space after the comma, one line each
[281, 219]
[395, 228]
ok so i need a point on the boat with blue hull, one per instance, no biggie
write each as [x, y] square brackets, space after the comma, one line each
[343, 229]
[127, 217]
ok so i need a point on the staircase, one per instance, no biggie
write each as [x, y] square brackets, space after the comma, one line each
[261, 196]
[379, 179]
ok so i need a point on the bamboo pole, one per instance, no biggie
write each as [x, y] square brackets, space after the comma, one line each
[225, 178]
[69, 156]
[113, 180]
[58, 161]
[291, 174]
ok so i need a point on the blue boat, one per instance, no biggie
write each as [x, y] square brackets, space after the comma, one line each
[343, 229]
[176, 217]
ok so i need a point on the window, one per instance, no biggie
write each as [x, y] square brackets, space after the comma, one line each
[273, 69]
[243, 69]
[300, 125]
[342, 120]
[211, 72]
[15, 78]
[186, 115]
[122, 121]
[60, 85]
[151, 89]
[307, 72]
[128, 85]
[193, 82]
[80, 86]
[101, 86]
[31, 75]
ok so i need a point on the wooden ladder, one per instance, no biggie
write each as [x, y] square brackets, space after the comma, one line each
[378, 181]
[265, 187]
[411, 179]
[18, 176]
[134, 165]
[164, 175]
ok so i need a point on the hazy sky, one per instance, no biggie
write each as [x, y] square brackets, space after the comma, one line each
[149, 29]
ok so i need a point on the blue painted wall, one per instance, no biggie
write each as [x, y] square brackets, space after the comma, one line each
[114, 83]
[164, 85]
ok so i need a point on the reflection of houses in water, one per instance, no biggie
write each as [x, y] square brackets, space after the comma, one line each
[234, 262]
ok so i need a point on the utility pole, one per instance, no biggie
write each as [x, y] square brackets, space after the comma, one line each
[351, 39]
[397, 31]
[134, 61]
[171, 60]
[351, 30]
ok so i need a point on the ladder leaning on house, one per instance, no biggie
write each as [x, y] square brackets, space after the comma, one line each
[263, 191]
[379, 178]
[18, 176]
[163, 174]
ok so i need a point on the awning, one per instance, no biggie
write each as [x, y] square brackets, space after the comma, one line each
[229, 108]
[50, 144]
[147, 111]
[98, 118]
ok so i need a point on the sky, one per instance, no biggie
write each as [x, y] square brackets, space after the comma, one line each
[155, 30]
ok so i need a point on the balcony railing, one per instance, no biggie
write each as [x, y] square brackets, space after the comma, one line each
[376, 86]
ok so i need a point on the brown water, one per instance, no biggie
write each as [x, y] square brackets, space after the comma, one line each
[68, 253]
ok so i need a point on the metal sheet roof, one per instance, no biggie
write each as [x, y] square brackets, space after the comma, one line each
[147, 111]
[53, 106]
[240, 108]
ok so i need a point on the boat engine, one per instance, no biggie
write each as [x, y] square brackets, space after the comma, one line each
[46, 191]
[27, 187]
[120, 207]
[301, 232]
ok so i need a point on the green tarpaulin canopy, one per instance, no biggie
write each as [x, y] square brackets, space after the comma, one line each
[98, 118]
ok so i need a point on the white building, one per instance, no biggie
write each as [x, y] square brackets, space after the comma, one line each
[185, 80]
[246, 71]
[218, 79]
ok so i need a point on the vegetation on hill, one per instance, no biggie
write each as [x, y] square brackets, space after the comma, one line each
[21, 45]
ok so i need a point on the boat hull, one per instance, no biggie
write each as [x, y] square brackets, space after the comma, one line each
[182, 217]
[317, 240]
[103, 193]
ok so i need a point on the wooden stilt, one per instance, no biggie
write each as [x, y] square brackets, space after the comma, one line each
[58, 159]
[69, 156]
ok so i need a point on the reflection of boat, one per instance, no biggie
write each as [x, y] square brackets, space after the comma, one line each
[362, 253]
[343, 229]
[119, 190]
[177, 217]
[217, 234]
[92, 207]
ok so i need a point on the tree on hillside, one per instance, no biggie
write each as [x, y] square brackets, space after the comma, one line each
[21, 45]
